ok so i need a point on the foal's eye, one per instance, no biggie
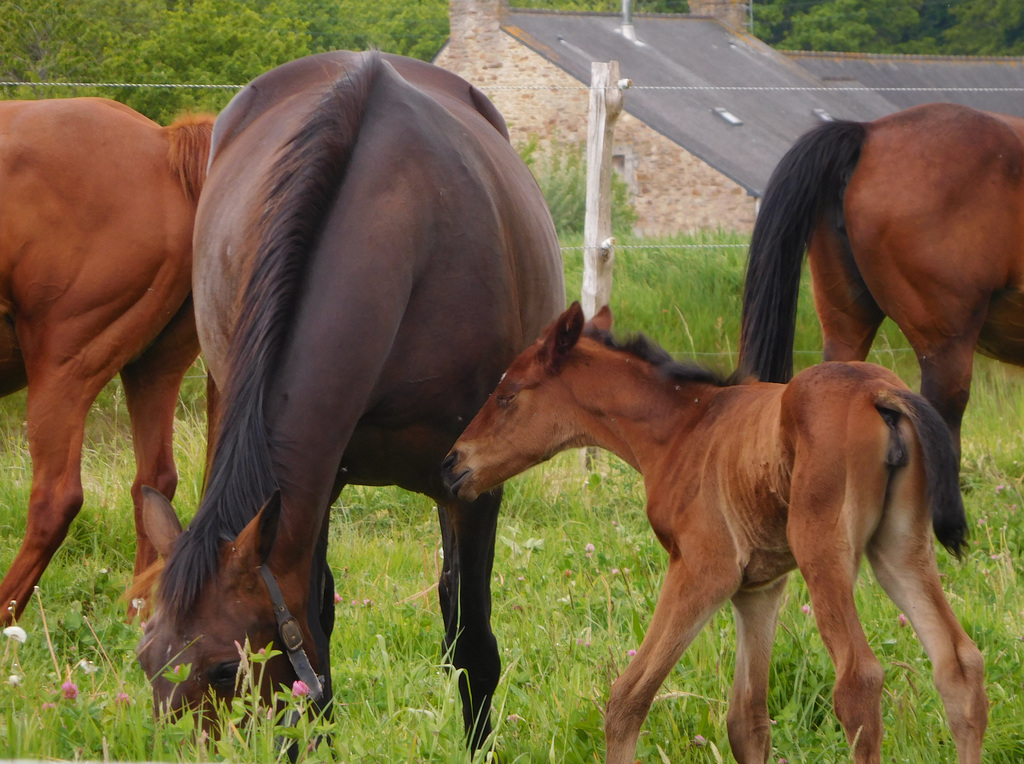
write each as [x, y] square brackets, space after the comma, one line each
[222, 676]
[504, 400]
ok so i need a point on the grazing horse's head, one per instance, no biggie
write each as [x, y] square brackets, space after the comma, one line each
[523, 422]
[192, 647]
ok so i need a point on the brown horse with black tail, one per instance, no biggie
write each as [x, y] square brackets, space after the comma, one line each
[97, 204]
[746, 481]
[371, 253]
[918, 216]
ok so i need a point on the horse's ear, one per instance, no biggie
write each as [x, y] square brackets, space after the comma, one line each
[258, 536]
[159, 520]
[602, 322]
[562, 338]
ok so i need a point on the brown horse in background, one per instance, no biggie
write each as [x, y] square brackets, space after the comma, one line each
[96, 210]
[371, 253]
[744, 483]
[918, 216]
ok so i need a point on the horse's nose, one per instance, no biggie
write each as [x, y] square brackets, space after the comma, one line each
[449, 476]
[449, 463]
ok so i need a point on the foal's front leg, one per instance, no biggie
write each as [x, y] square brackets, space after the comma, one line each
[700, 578]
[757, 615]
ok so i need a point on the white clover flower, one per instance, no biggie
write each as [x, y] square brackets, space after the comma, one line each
[16, 633]
[88, 666]
[138, 603]
[14, 680]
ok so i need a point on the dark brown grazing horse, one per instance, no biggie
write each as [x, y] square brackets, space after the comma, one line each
[371, 253]
[918, 216]
[96, 210]
[745, 482]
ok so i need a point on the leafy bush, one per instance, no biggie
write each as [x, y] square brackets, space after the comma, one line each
[561, 172]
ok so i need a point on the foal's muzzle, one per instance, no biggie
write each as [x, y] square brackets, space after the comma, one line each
[451, 474]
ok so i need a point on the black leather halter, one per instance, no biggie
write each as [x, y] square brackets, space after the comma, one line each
[291, 637]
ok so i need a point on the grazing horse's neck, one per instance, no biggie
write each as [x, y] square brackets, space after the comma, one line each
[631, 409]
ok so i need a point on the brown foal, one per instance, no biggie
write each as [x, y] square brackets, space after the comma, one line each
[746, 481]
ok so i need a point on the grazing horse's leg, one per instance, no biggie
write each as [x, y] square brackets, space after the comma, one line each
[749, 725]
[151, 386]
[58, 402]
[213, 412]
[902, 554]
[467, 536]
[848, 314]
[320, 615]
[946, 371]
[701, 576]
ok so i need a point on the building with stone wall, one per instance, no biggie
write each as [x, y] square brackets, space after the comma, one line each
[711, 111]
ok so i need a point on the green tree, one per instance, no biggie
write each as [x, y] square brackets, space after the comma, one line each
[41, 40]
[207, 42]
[865, 26]
[416, 28]
[987, 28]
[929, 36]
[773, 19]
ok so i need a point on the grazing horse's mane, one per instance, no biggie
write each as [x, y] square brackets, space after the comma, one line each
[299, 192]
[189, 151]
[643, 347]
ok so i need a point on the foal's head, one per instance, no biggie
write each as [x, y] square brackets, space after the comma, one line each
[529, 416]
[192, 647]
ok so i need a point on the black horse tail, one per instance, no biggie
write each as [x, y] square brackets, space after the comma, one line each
[297, 199]
[808, 182]
[941, 463]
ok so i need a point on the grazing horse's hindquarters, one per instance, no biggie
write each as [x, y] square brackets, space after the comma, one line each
[97, 204]
[745, 482]
[918, 216]
[371, 253]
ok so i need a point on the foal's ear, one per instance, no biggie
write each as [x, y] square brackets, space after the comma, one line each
[159, 521]
[564, 335]
[601, 322]
[258, 536]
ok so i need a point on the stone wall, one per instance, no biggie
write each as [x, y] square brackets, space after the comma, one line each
[674, 191]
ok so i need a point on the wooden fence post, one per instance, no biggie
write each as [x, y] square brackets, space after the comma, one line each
[598, 254]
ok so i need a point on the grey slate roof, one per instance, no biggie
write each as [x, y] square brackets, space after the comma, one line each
[877, 71]
[699, 52]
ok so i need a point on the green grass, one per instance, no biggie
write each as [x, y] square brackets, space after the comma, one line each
[565, 619]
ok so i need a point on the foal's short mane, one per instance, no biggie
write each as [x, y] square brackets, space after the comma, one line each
[298, 193]
[642, 347]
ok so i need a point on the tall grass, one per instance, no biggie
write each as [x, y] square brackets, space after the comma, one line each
[576, 576]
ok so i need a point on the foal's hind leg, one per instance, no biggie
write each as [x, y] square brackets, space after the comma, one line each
[757, 615]
[829, 563]
[903, 559]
